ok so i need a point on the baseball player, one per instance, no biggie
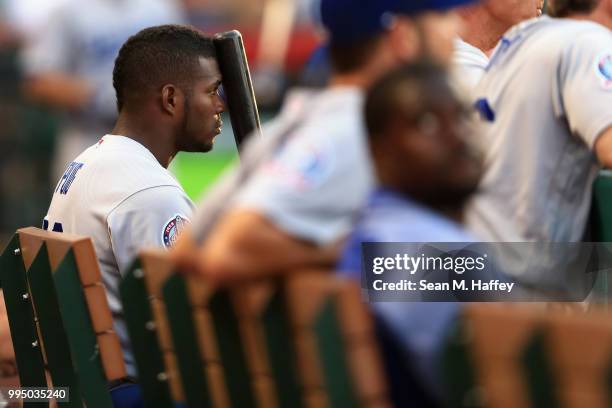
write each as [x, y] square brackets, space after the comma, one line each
[302, 200]
[546, 99]
[119, 191]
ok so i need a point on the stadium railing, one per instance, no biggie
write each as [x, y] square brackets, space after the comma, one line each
[306, 339]
[59, 316]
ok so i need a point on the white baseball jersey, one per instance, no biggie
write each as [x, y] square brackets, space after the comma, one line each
[546, 96]
[468, 65]
[117, 193]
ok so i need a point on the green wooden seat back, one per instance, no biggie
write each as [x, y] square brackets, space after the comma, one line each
[281, 352]
[601, 215]
[578, 350]
[458, 372]
[145, 346]
[233, 359]
[490, 339]
[68, 283]
[53, 333]
[22, 323]
[81, 336]
[335, 345]
[601, 224]
[538, 373]
[184, 338]
[331, 348]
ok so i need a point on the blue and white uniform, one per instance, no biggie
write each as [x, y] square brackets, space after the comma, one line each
[545, 99]
[469, 64]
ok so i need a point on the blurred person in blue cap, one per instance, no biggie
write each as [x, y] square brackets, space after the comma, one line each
[427, 27]
[298, 204]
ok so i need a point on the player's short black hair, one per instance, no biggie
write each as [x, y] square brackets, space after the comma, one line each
[346, 58]
[409, 90]
[564, 8]
[156, 56]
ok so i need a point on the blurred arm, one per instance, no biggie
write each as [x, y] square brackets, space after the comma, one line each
[58, 90]
[246, 244]
[47, 60]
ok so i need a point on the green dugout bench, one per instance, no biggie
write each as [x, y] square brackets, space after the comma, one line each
[305, 340]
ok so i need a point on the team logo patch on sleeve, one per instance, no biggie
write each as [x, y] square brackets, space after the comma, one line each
[604, 69]
[173, 229]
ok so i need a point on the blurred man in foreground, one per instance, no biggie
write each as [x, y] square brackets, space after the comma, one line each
[425, 169]
[302, 200]
[426, 172]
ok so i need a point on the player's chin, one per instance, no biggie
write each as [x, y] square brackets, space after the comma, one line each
[208, 141]
[200, 146]
[207, 146]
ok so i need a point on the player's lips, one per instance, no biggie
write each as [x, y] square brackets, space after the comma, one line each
[218, 124]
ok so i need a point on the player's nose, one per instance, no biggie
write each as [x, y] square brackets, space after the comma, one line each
[219, 106]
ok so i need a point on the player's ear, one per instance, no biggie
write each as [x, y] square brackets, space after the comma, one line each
[171, 99]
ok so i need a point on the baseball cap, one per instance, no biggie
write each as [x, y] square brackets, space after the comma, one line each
[347, 21]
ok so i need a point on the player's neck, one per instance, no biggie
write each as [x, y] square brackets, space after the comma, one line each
[481, 30]
[147, 134]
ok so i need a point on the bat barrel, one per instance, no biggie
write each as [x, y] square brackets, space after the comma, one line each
[237, 85]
